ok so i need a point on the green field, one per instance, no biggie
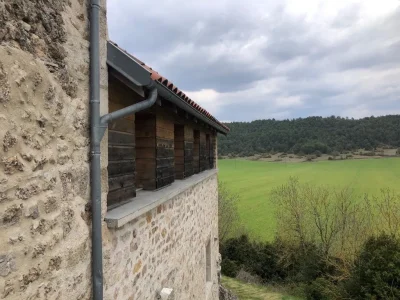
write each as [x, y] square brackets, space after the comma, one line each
[254, 180]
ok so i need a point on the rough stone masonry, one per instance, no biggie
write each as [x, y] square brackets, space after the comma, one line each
[44, 168]
[45, 248]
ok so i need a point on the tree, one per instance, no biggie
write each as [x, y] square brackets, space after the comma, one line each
[311, 134]
[229, 223]
[376, 274]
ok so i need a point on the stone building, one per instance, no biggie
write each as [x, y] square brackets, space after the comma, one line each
[159, 189]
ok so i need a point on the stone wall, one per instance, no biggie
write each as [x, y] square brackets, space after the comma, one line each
[45, 248]
[44, 168]
[166, 248]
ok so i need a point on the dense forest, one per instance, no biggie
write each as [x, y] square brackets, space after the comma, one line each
[307, 135]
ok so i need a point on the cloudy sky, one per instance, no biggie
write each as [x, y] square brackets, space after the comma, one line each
[270, 59]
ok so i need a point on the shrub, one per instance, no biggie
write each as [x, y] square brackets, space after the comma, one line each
[321, 289]
[349, 156]
[229, 267]
[310, 157]
[330, 158]
[376, 274]
[318, 153]
[335, 153]
[256, 258]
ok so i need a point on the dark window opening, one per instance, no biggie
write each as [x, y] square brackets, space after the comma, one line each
[179, 151]
[145, 131]
[196, 151]
[208, 152]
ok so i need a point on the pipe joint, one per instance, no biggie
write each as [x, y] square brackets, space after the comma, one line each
[95, 4]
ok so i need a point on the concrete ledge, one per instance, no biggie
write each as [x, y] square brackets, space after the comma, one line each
[147, 200]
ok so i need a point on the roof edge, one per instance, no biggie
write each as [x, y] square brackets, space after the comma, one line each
[140, 74]
[169, 95]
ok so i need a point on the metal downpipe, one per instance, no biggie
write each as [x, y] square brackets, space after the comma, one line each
[104, 120]
[95, 170]
[98, 126]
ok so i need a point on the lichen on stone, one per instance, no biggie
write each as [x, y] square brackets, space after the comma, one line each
[9, 141]
[55, 263]
[4, 85]
[39, 249]
[68, 83]
[12, 215]
[33, 275]
[27, 192]
[12, 164]
[34, 23]
[50, 205]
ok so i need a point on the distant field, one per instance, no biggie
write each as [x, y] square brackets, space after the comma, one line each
[254, 180]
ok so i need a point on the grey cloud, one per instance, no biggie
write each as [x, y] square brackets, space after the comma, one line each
[228, 47]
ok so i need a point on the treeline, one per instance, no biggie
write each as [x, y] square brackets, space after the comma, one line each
[307, 135]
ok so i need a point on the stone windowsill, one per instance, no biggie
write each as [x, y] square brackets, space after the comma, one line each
[147, 200]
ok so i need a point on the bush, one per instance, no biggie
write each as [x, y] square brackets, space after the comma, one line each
[310, 157]
[335, 153]
[256, 258]
[318, 153]
[370, 153]
[376, 274]
[349, 156]
[319, 289]
[330, 158]
[229, 267]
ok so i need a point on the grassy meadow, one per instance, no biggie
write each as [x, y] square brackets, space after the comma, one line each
[248, 291]
[254, 180]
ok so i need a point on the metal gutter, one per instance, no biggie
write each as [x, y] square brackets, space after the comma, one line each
[128, 67]
[124, 64]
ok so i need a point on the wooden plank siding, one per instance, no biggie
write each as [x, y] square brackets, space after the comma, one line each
[154, 147]
[121, 147]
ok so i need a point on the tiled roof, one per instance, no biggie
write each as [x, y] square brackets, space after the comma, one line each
[173, 88]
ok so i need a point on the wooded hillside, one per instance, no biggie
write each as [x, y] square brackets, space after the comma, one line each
[307, 135]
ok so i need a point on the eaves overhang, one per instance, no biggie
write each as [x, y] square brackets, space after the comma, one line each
[136, 72]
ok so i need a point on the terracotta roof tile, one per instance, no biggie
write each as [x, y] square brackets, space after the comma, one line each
[158, 77]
